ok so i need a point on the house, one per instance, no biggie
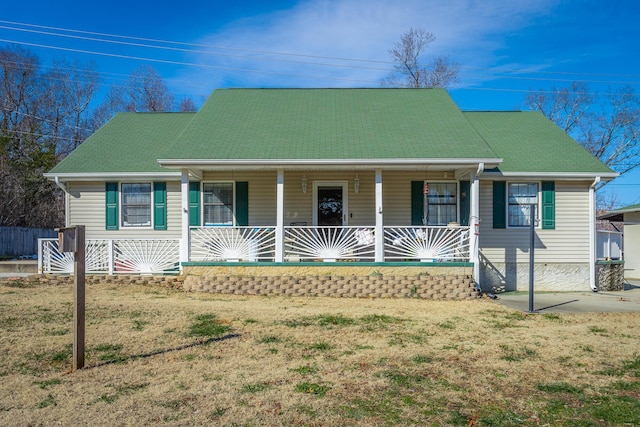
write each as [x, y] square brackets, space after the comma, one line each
[335, 178]
[630, 217]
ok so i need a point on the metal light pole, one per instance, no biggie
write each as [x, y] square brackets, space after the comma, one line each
[532, 243]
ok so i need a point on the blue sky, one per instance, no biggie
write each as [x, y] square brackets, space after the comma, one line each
[504, 47]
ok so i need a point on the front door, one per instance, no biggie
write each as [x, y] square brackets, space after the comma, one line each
[330, 207]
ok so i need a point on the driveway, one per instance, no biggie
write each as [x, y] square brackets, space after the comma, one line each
[624, 301]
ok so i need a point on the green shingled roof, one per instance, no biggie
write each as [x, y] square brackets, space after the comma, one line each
[328, 124]
[529, 142]
[129, 142]
[317, 124]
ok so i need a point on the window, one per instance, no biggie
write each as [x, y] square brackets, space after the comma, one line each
[520, 198]
[442, 203]
[136, 205]
[217, 201]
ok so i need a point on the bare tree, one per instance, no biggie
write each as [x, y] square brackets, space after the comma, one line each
[114, 102]
[410, 69]
[186, 105]
[147, 91]
[609, 130]
[25, 150]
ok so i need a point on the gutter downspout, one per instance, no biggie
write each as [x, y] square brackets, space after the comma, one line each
[60, 184]
[63, 187]
[474, 223]
[592, 235]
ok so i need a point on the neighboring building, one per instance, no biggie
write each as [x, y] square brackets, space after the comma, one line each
[630, 217]
[351, 177]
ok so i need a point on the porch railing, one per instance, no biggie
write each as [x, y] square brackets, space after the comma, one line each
[316, 243]
[233, 243]
[447, 243]
[301, 243]
[114, 256]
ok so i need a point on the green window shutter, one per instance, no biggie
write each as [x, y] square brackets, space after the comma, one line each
[111, 205]
[417, 202]
[242, 204]
[465, 202]
[194, 203]
[160, 205]
[499, 204]
[548, 205]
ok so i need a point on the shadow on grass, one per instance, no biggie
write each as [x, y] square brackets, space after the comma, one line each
[198, 343]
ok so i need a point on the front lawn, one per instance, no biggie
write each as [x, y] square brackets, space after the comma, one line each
[160, 356]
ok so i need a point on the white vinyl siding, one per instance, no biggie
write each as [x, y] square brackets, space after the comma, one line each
[87, 207]
[632, 245]
[567, 243]
[396, 193]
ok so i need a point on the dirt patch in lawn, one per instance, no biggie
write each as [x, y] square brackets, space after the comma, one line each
[162, 356]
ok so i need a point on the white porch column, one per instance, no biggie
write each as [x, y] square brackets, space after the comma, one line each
[379, 219]
[184, 193]
[474, 223]
[280, 217]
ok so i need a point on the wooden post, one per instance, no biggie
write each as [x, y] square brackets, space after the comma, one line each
[71, 239]
[79, 300]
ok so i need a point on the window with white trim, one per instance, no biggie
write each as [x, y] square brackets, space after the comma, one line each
[136, 204]
[442, 203]
[217, 203]
[520, 197]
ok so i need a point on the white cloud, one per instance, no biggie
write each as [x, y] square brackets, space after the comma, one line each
[469, 31]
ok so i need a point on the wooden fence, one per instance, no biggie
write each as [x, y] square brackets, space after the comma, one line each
[22, 241]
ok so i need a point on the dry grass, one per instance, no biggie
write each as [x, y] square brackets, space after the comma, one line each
[157, 356]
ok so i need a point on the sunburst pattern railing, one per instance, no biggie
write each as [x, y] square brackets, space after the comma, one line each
[233, 243]
[329, 243]
[144, 256]
[427, 243]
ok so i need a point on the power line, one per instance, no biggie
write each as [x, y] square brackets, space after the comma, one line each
[209, 46]
[165, 61]
[201, 51]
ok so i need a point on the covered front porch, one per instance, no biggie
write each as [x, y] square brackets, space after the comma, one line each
[350, 211]
[238, 212]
